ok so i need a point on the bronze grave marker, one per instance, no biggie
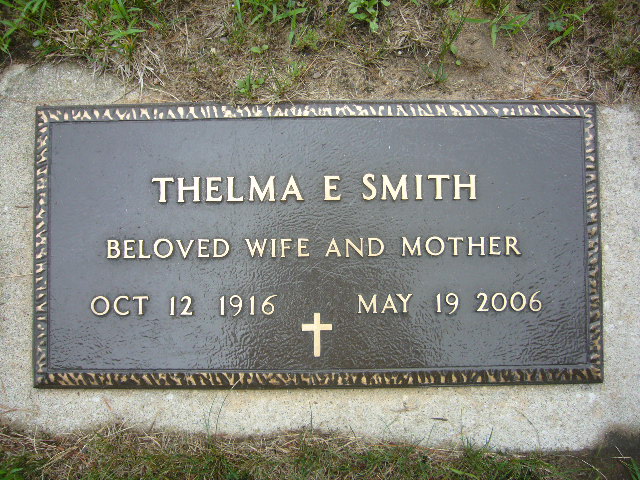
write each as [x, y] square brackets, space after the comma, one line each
[316, 245]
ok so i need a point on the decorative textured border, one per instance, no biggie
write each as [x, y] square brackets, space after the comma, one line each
[45, 116]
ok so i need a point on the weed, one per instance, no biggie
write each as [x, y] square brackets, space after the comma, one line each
[238, 33]
[491, 6]
[625, 53]
[450, 35]
[247, 86]
[28, 17]
[297, 69]
[337, 25]
[285, 79]
[564, 22]
[511, 25]
[306, 39]
[608, 11]
[368, 11]
[634, 469]
[566, 4]
[20, 466]
[123, 21]
[269, 12]
[371, 55]
[441, 3]
[438, 74]
[122, 13]
[260, 49]
[104, 27]
[13, 474]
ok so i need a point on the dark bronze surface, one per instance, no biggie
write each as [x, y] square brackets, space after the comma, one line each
[536, 180]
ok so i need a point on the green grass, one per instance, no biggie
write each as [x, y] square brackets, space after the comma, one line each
[105, 32]
[634, 469]
[247, 86]
[368, 11]
[565, 20]
[176, 45]
[507, 23]
[23, 16]
[270, 12]
[117, 452]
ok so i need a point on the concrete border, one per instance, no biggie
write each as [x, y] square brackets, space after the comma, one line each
[549, 417]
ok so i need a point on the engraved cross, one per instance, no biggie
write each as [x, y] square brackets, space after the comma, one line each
[316, 327]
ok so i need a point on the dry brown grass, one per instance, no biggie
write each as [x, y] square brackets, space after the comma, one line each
[201, 50]
[116, 451]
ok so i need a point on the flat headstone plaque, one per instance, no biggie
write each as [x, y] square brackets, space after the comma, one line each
[316, 245]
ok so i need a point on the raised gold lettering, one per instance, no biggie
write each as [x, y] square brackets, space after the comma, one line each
[427, 246]
[116, 306]
[302, 246]
[162, 182]
[404, 299]
[213, 188]
[140, 299]
[333, 248]
[203, 246]
[418, 187]
[372, 307]
[292, 189]
[184, 250]
[457, 186]
[195, 189]
[438, 184]
[389, 304]
[128, 247]
[231, 193]
[366, 180]
[415, 251]
[455, 241]
[511, 245]
[494, 247]
[156, 248]
[93, 305]
[113, 249]
[399, 190]
[330, 187]
[473, 245]
[269, 189]
[141, 247]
